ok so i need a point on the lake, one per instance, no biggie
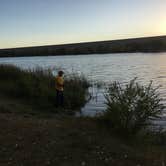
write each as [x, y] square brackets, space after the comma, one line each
[103, 68]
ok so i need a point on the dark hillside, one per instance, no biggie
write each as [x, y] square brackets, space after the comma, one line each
[146, 44]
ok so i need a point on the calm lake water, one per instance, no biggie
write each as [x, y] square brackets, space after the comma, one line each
[105, 68]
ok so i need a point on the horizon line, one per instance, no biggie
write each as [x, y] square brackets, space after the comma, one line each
[83, 42]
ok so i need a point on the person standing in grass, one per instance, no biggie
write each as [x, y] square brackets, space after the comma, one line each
[59, 85]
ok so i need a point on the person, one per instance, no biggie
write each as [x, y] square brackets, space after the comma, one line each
[59, 85]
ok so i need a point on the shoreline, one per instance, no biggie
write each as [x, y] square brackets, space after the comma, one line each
[38, 133]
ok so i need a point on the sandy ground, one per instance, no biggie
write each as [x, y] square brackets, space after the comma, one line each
[63, 141]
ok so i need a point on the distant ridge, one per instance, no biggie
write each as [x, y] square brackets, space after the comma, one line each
[144, 44]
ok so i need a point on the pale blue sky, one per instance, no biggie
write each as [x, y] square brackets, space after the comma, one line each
[45, 22]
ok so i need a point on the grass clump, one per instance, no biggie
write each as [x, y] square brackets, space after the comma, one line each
[37, 87]
[75, 90]
[131, 108]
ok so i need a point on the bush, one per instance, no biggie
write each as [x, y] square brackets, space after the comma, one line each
[75, 86]
[38, 87]
[131, 107]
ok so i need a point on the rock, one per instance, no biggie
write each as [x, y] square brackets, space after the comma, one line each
[83, 163]
[48, 162]
[163, 163]
[125, 156]
[10, 159]
[16, 146]
[106, 159]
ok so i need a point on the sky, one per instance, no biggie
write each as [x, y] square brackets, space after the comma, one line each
[48, 22]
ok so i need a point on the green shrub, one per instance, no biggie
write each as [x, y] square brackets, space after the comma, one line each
[9, 72]
[37, 87]
[75, 86]
[131, 107]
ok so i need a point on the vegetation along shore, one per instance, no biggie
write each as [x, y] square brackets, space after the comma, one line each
[35, 132]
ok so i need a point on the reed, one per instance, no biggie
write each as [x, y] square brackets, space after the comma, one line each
[37, 86]
[131, 108]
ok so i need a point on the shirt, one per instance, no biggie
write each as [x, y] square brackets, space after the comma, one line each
[59, 83]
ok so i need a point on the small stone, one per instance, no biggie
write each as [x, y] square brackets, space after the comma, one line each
[16, 146]
[10, 159]
[106, 159]
[48, 162]
[163, 163]
[101, 152]
[125, 156]
[83, 163]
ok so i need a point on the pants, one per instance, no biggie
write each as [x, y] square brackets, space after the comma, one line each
[59, 98]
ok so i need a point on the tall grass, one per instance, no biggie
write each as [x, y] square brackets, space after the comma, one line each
[131, 108]
[37, 87]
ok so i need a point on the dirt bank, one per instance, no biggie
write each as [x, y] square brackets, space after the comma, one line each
[66, 141]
